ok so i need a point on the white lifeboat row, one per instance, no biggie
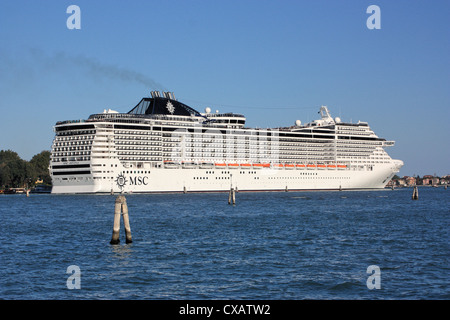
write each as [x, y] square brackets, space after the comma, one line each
[223, 165]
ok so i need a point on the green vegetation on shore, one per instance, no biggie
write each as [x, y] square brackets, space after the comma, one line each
[17, 173]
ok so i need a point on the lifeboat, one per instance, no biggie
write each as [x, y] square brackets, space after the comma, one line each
[321, 166]
[342, 166]
[331, 166]
[171, 164]
[310, 166]
[220, 165]
[188, 164]
[289, 166]
[300, 166]
[233, 165]
[257, 165]
[246, 165]
[278, 165]
[206, 165]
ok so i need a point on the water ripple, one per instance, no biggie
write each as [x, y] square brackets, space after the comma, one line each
[310, 245]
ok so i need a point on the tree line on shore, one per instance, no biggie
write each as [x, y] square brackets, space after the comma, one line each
[18, 173]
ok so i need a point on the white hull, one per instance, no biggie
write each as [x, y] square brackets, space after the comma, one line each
[216, 180]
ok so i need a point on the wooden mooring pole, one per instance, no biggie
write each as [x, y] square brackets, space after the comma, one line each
[121, 208]
[415, 195]
[232, 196]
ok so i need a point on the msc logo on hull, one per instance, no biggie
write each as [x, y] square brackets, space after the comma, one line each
[122, 180]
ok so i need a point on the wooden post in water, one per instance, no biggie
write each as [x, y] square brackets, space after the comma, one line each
[116, 228]
[121, 208]
[126, 221]
[415, 195]
[232, 196]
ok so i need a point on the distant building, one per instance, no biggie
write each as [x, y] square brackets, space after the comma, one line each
[410, 181]
[435, 181]
[406, 181]
[427, 180]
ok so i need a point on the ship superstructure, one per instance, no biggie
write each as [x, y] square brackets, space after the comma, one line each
[163, 145]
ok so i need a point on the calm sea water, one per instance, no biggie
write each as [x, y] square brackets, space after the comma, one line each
[286, 245]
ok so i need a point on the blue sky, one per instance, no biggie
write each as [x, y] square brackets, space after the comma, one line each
[274, 61]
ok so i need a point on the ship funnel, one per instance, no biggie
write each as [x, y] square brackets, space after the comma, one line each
[169, 95]
[155, 94]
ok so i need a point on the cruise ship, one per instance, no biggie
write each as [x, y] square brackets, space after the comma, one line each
[163, 145]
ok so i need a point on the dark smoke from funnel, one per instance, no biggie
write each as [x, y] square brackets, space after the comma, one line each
[92, 66]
